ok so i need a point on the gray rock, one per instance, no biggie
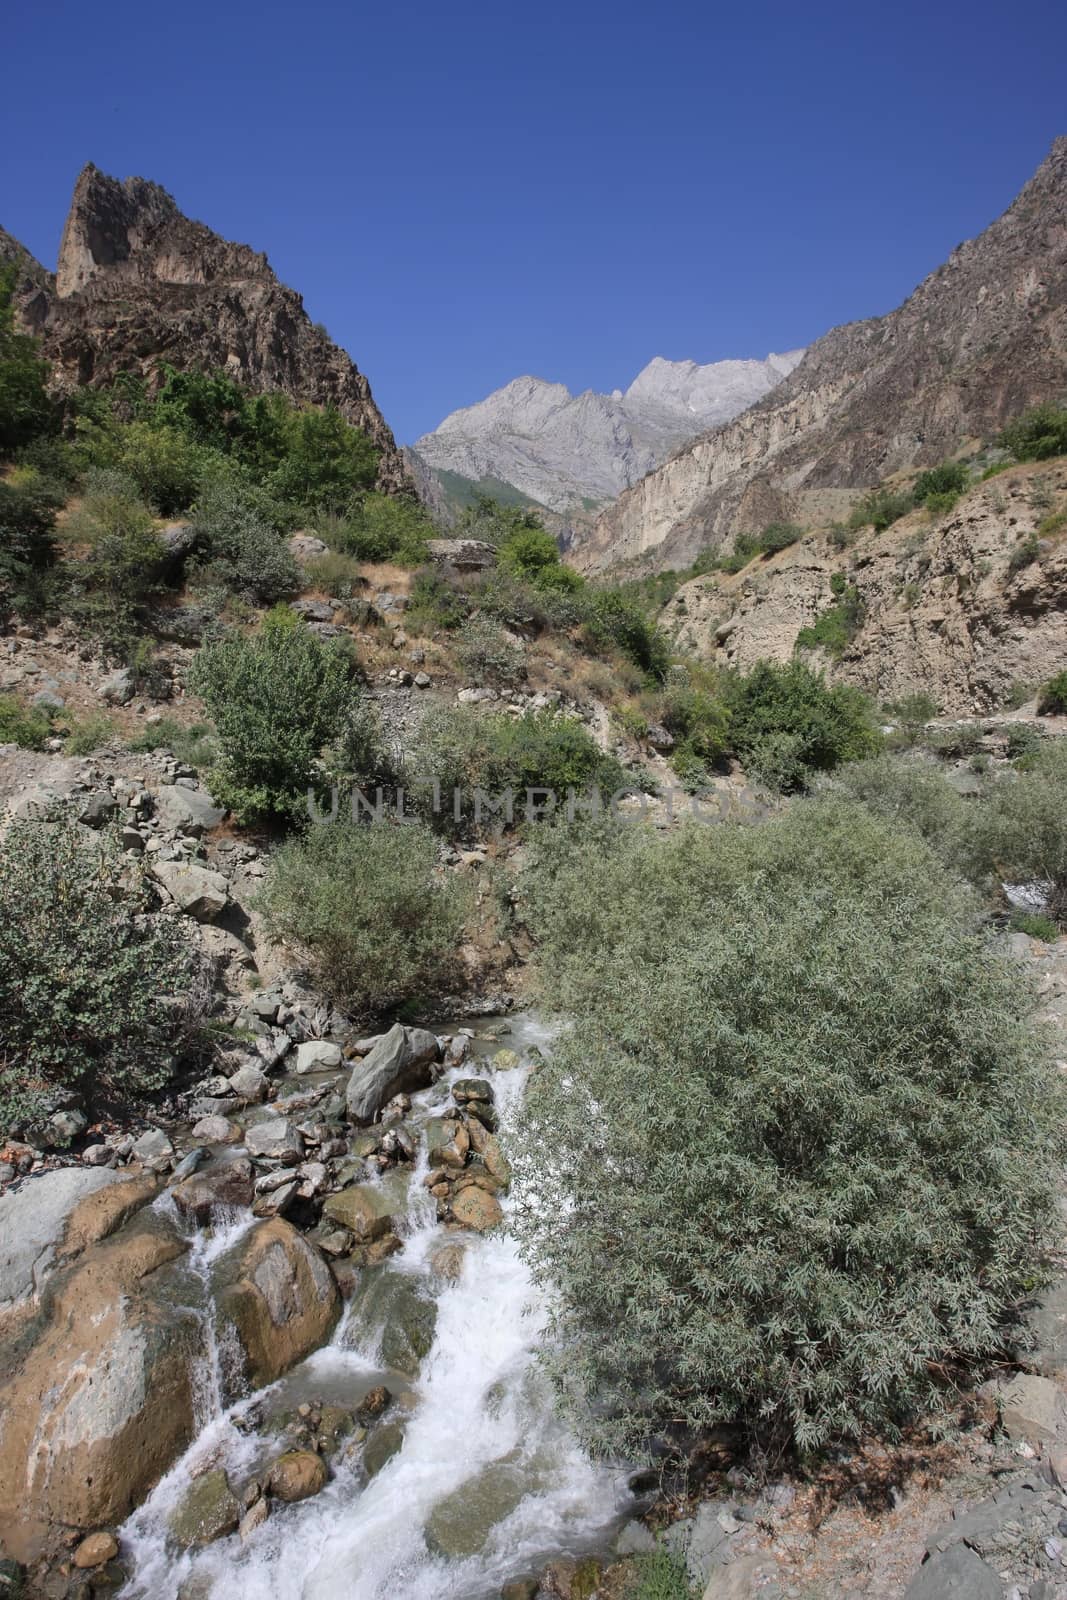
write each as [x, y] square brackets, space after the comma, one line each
[635, 1540]
[316, 1055]
[63, 1126]
[306, 547]
[1032, 1408]
[249, 1083]
[97, 809]
[275, 1140]
[188, 811]
[197, 891]
[213, 1130]
[117, 689]
[33, 1220]
[152, 1146]
[400, 1062]
[955, 1574]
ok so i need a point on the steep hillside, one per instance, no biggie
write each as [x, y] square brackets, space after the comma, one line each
[980, 339]
[571, 452]
[138, 283]
[969, 607]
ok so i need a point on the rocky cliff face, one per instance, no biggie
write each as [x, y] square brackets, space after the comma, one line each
[138, 283]
[980, 339]
[571, 451]
[952, 607]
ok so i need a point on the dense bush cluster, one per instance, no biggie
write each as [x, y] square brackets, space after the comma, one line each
[94, 996]
[793, 1162]
[1038, 434]
[787, 724]
[379, 920]
[277, 699]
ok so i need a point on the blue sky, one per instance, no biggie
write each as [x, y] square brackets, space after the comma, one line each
[467, 192]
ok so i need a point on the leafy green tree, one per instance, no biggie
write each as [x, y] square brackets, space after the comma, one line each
[379, 918]
[792, 1164]
[788, 723]
[326, 461]
[25, 408]
[1038, 434]
[277, 699]
[382, 527]
[94, 996]
[239, 548]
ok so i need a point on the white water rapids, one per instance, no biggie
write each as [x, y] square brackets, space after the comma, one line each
[478, 1400]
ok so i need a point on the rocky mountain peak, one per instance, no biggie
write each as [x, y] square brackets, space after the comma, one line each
[138, 283]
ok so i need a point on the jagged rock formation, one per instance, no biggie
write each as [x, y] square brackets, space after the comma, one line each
[979, 340]
[568, 451]
[138, 283]
[960, 607]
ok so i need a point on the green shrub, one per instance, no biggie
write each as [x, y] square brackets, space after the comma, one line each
[954, 743]
[277, 699]
[495, 752]
[435, 603]
[835, 628]
[528, 551]
[1022, 741]
[1024, 552]
[880, 508]
[659, 1575]
[25, 409]
[191, 742]
[167, 466]
[26, 726]
[87, 733]
[487, 654]
[793, 1164]
[88, 985]
[240, 551]
[787, 723]
[939, 488]
[325, 461]
[28, 506]
[1052, 701]
[1037, 435]
[380, 920]
[913, 712]
[612, 617]
[916, 796]
[381, 527]
[1023, 823]
[126, 563]
[1036, 924]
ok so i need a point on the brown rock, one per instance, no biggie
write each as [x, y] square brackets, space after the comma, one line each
[297, 1475]
[477, 1209]
[96, 1549]
[279, 1295]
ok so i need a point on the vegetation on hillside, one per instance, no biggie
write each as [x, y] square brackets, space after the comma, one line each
[792, 1163]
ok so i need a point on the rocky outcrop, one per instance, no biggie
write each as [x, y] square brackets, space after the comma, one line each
[566, 451]
[964, 607]
[980, 339]
[138, 283]
[97, 1401]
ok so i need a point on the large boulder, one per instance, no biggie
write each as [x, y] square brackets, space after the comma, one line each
[368, 1210]
[401, 1062]
[462, 555]
[206, 1512]
[188, 811]
[217, 1188]
[297, 1475]
[98, 1398]
[460, 1524]
[54, 1216]
[198, 891]
[278, 1295]
[955, 1574]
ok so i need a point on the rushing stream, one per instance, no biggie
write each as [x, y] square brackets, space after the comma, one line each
[477, 1415]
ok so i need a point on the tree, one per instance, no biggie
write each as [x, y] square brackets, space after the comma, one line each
[792, 1165]
[277, 700]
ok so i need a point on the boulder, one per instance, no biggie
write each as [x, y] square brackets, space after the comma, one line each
[278, 1294]
[226, 1185]
[369, 1210]
[249, 1083]
[401, 1062]
[96, 1550]
[48, 1218]
[117, 688]
[447, 1142]
[317, 1055]
[197, 891]
[955, 1574]
[1032, 1408]
[306, 547]
[381, 1446]
[152, 1145]
[99, 1404]
[207, 1511]
[217, 1130]
[276, 1139]
[475, 1208]
[460, 1524]
[187, 811]
[297, 1475]
[462, 555]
